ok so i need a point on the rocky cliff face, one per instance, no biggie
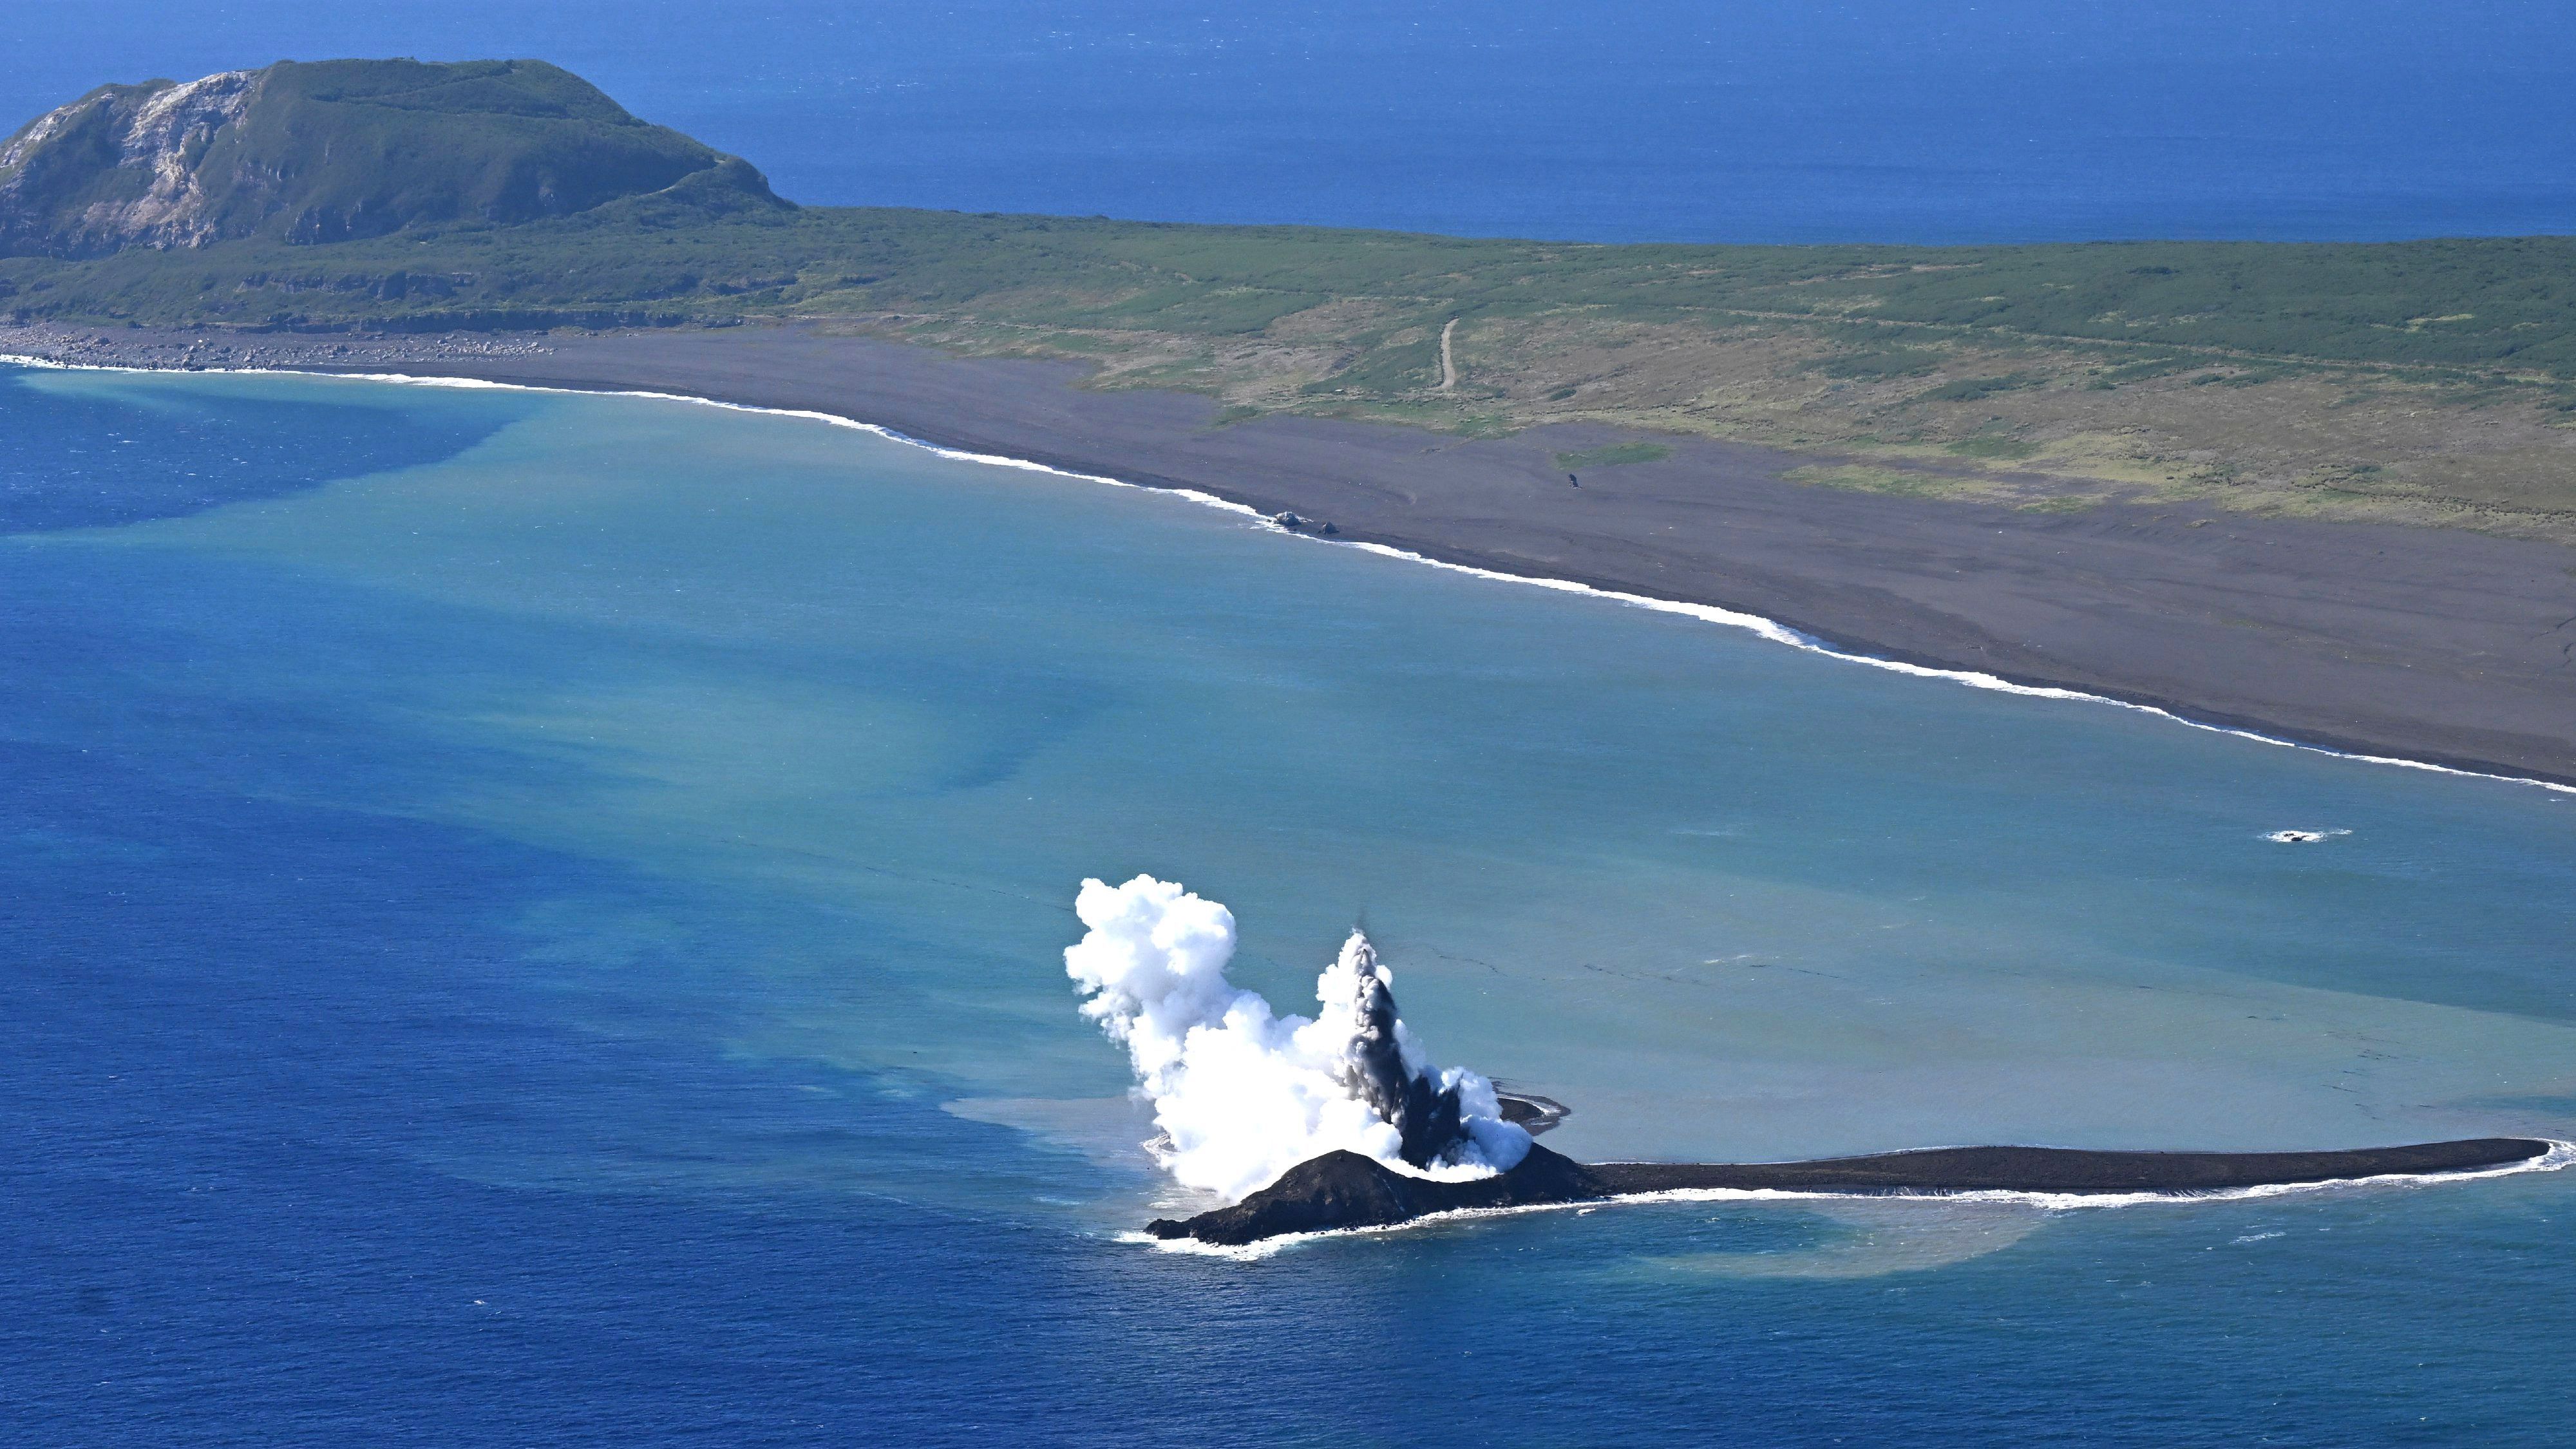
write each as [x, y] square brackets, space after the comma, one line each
[340, 149]
[148, 138]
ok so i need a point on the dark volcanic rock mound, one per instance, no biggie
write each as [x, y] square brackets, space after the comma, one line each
[1345, 1190]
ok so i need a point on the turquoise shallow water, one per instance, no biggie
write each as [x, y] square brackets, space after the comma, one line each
[569, 890]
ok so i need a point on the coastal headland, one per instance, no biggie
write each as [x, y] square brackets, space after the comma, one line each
[1339, 1191]
[2440, 645]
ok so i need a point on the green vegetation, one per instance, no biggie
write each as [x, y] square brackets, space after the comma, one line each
[1612, 456]
[1988, 445]
[1894, 482]
[1877, 362]
[1969, 389]
[342, 149]
[2503, 304]
[2427, 381]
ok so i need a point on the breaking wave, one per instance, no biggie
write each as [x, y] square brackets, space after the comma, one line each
[2560, 1157]
[1761, 627]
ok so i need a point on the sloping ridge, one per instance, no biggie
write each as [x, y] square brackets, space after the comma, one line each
[1342, 1190]
[334, 150]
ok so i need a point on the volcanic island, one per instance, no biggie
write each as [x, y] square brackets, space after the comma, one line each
[1343, 1190]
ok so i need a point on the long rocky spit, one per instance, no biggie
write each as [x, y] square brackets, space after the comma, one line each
[1343, 1190]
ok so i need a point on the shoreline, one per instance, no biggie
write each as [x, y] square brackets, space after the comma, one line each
[2559, 1157]
[984, 397]
[1343, 1192]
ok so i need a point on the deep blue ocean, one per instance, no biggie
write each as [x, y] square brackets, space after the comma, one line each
[1668, 120]
[535, 919]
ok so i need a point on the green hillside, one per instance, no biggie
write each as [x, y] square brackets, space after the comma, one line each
[336, 150]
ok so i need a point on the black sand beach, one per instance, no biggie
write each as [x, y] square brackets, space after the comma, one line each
[2448, 647]
[1342, 1190]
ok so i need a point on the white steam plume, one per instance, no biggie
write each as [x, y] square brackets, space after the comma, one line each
[1241, 1095]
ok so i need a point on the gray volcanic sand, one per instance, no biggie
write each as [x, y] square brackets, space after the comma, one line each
[2432, 644]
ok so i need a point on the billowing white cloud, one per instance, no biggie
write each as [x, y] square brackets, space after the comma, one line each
[1242, 1095]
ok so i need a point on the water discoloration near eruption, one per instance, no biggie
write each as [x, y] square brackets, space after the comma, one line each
[1341, 1122]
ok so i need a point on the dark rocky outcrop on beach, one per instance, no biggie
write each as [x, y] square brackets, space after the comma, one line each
[1345, 1190]
[1342, 1190]
[1532, 1113]
[337, 150]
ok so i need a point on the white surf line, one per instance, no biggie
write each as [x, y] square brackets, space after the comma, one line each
[2560, 1156]
[1779, 633]
[1770, 629]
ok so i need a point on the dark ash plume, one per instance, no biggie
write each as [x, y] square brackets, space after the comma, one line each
[1426, 1116]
